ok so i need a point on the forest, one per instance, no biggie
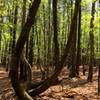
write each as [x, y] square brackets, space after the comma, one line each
[49, 49]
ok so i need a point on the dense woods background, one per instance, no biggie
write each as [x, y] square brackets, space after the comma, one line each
[47, 36]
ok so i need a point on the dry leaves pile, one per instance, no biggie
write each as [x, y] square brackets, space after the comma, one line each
[68, 89]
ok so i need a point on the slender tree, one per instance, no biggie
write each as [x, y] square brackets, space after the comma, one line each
[31, 44]
[91, 64]
[99, 79]
[99, 65]
[15, 27]
[73, 54]
[78, 61]
[22, 67]
[55, 39]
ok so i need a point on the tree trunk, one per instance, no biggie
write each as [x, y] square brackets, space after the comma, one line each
[1, 21]
[78, 59]
[14, 28]
[73, 54]
[99, 66]
[22, 67]
[20, 92]
[91, 64]
[49, 34]
[28, 70]
[55, 39]
[31, 54]
[99, 79]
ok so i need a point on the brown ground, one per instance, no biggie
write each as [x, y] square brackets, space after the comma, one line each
[68, 89]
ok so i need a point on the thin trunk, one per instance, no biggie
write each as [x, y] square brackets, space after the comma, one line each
[99, 64]
[1, 21]
[22, 67]
[55, 39]
[14, 28]
[73, 54]
[31, 53]
[49, 34]
[44, 32]
[99, 79]
[78, 61]
[91, 64]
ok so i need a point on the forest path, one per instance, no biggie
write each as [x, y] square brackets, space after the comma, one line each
[68, 89]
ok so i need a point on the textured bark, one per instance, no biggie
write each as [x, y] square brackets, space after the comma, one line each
[1, 21]
[23, 12]
[68, 50]
[99, 79]
[31, 44]
[20, 92]
[49, 34]
[44, 32]
[78, 61]
[99, 66]
[73, 54]
[28, 70]
[91, 63]
[14, 28]
[55, 39]
[23, 75]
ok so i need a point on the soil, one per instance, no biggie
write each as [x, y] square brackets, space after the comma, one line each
[68, 89]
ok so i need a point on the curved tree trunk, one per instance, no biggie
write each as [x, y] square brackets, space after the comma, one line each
[20, 92]
[28, 70]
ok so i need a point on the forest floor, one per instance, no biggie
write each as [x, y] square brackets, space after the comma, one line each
[67, 89]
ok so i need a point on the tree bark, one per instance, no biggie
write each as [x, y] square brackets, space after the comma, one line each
[73, 54]
[91, 63]
[78, 61]
[99, 79]
[23, 75]
[15, 27]
[31, 54]
[20, 92]
[55, 39]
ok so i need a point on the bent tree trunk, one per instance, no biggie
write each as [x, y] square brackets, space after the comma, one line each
[68, 50]
[20, 92]
[28, 70]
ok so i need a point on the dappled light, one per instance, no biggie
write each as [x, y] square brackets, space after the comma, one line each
[49, 49]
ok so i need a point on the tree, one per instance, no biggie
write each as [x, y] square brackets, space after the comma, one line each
[55, 39]
[31, 54]
[78, 60]
[14, 27]
[99, 65]
[73, 54]
[42, 86]
[23, 75]
[91, 64]
[20, 92]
